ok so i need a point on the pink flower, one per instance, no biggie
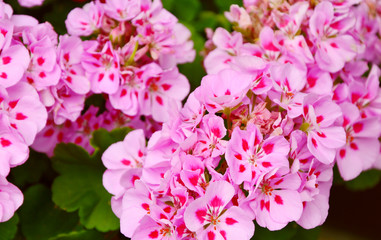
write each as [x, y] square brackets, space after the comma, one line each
[102, 68]
[124, 161]
[362, 145]
[211, 218]
[249, 157]
[223, 90]
[324, 138]
[164, 89]
[11, 199]
[332, 51]
[30, 3]
[276, 200]
[84, 21]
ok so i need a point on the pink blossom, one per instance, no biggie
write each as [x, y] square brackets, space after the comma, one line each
[276, 200]
[249, 157]
[84, 21]
[30, 3]
[211, 218]
[219, 91]
[11, 199]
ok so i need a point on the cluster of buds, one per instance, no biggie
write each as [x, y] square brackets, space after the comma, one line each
[291, 92]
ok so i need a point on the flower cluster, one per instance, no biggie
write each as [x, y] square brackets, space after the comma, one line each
[292, 91]
[45, 79]
[132, 55]
[22, 115]
[131, 59]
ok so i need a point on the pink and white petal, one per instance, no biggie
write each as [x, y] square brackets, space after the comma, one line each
[148, 229]
[18, 150]
[219, 193]
[5, 157]
[360, 155]
[367, 128]
[332, 137]
[276, 145]
[195, 214]
[322, 153]
[112, 181]
[285, 206]
[160, 105]
[236, 224]
[174, 85]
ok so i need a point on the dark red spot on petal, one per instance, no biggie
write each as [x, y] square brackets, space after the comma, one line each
[40, 61]
[242, 168]
[322, 135]
[266, 164]
[159, 100]
[78, 140]
[112, 76]
[154, 234]
[238, 156]
[354, 146]
[145, 206]
[3, 75]
[42, 75]
[342, 153]
[123, 92]
[211, 235]
[126, 162]
[278, 200]
[355, 97]
[66, 56]
[140, 154]
[20, 116]
[319, 119]
[167, 209]
[314, 142]
[358, 127]
[69, 79]
[227, 92]
[193, 180]
[216, 202]
[5, 142]
[100, 77]
[279, 181]
[268, 148]
[6, 60]
[216, 132]
[223, 234]
[230, 221]
[200, 214]
[166, 86]
[334, 45]
[245, 145]
[13, 104]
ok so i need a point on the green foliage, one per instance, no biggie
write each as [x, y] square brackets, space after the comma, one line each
[224, 5]
[291, 232]
[365, 180]
[40, 219]
[79, 186]
[8, 229]
[80, 235]
[186, 10]
[36, 169]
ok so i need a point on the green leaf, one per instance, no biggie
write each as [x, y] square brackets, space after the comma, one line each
[79, 187]
[32, 171]
[40, 219]
[168, 4]
[186, 10]
[286, 233]
[80, 235]
[8, 229]
[224, 5]
[102, 138]
[365, 180]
